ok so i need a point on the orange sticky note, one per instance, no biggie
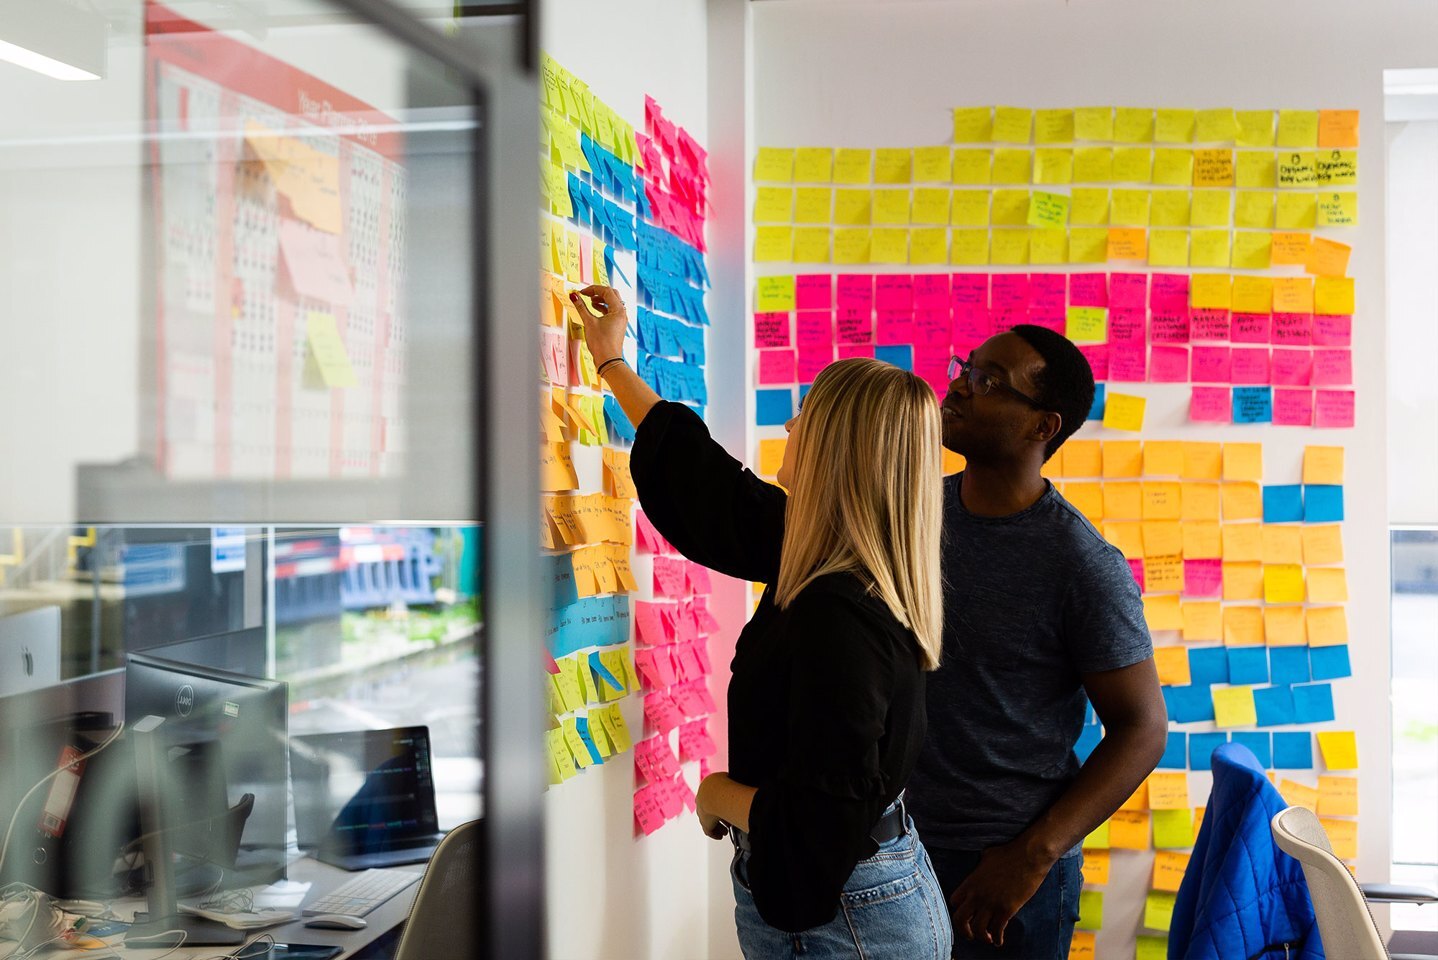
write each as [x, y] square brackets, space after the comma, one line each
[1126, 535]
[1083, 944]
[1243, 461]
[1327, 626]
[1087, 497]
[1172, 664]
[1323, 465]
[1163, 573]
[1138, 800]
[771, 456]
[1282, 544]
[1284, 626]
[1129, 830]
[1343, 835]
[1162, 500]
[1201, 538]
[1242, 626]
[1337, 796]
[1242, 501]
[1202, 620]
[1123, 501]
[1168, 869]
[1242, 542]
[1127, 243]
[1162, 538]
[1083, 458]
[1163, 458]
[1122, 458]
[1298, 794]
[1339, 748]
[1096, 867]
[1327, 585]
[1243, 581]
[1327, 258]
[1163, 613]
[953, 462]
[1322, 544]
[1338, 128]
[1290, 248]
[1202, 460]
[1200, 501]
[1168, 791]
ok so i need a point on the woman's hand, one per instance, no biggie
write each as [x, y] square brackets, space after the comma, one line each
[604, 322]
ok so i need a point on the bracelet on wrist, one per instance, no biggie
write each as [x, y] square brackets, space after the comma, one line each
[606, 364]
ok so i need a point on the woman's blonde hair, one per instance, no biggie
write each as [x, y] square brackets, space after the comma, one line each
[867, 494]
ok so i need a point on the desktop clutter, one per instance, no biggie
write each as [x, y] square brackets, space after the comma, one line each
[187, 804]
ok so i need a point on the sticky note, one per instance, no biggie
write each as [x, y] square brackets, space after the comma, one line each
[972, 167]
[1216, 126]
[1048, 209]
[1098, 839]
[327, 350]
[1173, 829]
[1172, 664]
[814, 164]
[1093, 123]
[1298, 794]
[1175, 755]
[1129, 830]
[1322, 503]
[1233, 707]
[1168, 248]
[1339, 748]
[1297, 128]
[1342, 836]
[1087, 324]
[1330, 663]
[1151, 948]
[1327, 585]
[1124, 412]
[1096, 865]
[1333, 408]
[1247, 665]
[1327, 626]
[1337, 797]
[1333, 295]
[1292, 751]
[773, 407]
[1012, 124]
[771, 455]
[932, 164]
[1336, 210]
[1090, 909]
[973, 124]
[1255, 170]
[773, 205]
[853, 165]
[1338, 128]
[1282, 503]
[1168, 791]
[773, 244]
[774, 164]
[931, 205]
[1125, 243]
[1312, 703]
[1282, 583]
[1082, 945]
[1259, 742]
[1168, 866]
[1252, 404]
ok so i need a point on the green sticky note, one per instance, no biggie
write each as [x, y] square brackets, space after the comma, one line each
[1173, 829]
[1089, 324]
[775, 294]
[1048, 209]
[1152, 948]
[1098, 840]
[1091, 909]
[1158, 910]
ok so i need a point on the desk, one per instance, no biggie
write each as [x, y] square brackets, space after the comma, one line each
[322, 879]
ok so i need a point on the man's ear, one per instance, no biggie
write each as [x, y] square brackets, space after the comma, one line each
[1048, 427]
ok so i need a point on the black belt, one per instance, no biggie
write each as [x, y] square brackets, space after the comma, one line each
[891, 826]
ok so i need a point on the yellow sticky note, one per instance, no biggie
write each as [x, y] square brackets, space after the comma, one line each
[1048, 209]
[1172, 664]
[891, 206]
[969, 247]
[1336, 167]
[1009, 247]
[1202, 460]
[327, 350]
[1173, 167]
[1048, 245]
[1010, 208]
[1297, 170]
[1323, 464]
[1089, 205]
[1339, 748]
[814, 164]
[775, 164]
[1012, 165]
[1093, 123]
[1216, 126]
[931, 205]
[893, 165]
[1327, 585]
[1337, 796]
[813, 204]
[1252, 250]
[1163, 458]
[852, 207]
[972, 167]
[1162, 499]
[1202, 620]
[1087, 498]
[928, 245]
[851, 244]
[811, 245]
[889, 245]
[773, 205]
[1129, 830]
[1133, 125]
[1132, 165]
[1098, 839]
[1212, 208]
[1253, 209]
[1053, 126]
[1126, 536]
[853, 165]
[1172, 829]
[1283, 583]
[1130, 207]
[1255, 128]
[1234, 707]
[973, 124]
[773, 244]
[1168, 791]
[1242, 626]
[1211, 248]
[969, 208]
[1096, 866]
[1298, 128]
[775, 293]
[1343, 836]
[1242, 581]
[1158, 908]
[1124, 412]
[1089, 245]
[1296, 211]
[932, 164]
[1169, 208]
[1252, 295]
[771, 456]
[1333, 295]
[1211, 291]
[1327, 626]
[1283, 626]
[1122, 458]
[1053, 165]
[1093, 165]
[1168, 248]
[1322, 543]
[1012, 124]
[1174, 126]
[1255, 170]
[1293, 295]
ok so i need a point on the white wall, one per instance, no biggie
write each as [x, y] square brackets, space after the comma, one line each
[839, 73]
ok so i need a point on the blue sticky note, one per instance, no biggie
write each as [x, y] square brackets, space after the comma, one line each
[804, 389]
[1313, 703]
[1201, 747]
[1175, 755]
[1247, 665]
[1089, 737]
[1189, 704]
[1260, 743]
[1095, 412]
[1289, 665]
[1331, 663]
[617, 423]
[901, 356]
[1322, 503]
[603, 673]
[1089, 716]
[1252, 404]
[1293, 751]
[1282, 503]
[773, 408]
[1274, 706]
[1208, 665]
[582, 725]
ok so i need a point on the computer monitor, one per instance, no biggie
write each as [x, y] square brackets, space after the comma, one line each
[29, 650]
[237, 651]
[220, 768]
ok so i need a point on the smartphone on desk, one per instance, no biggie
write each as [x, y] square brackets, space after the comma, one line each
[264, 950]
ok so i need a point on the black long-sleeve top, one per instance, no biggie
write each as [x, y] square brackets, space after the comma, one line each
[826, 702]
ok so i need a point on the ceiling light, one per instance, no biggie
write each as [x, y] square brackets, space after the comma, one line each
[53, 38]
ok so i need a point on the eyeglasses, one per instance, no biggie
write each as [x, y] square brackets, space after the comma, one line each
[982, 383]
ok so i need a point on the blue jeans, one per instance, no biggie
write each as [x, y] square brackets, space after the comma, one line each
[1042, 928]
[891, 908]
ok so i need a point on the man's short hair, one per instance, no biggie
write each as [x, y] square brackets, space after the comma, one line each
[1065, 384]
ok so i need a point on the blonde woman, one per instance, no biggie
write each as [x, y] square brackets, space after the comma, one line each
[826, 701]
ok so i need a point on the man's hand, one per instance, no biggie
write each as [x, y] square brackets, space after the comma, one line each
[1005, 879]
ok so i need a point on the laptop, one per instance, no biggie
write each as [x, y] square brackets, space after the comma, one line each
[29, 650]
[365, 798]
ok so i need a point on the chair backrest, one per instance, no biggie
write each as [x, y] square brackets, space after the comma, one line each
[442, 922]
[1344, 923]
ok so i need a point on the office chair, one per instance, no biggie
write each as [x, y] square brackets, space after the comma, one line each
[1344, 921]
[442, 921]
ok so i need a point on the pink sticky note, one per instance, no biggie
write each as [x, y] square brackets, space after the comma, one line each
[856, 325]
[971, 327]
[1005, 320]
[814, 291]
[969, 290]
[1048, 293]
[1168, 325]
[856, 291]
[816, 328]
[1293, 329]
[1293, 408]
[1126, 325]
[931, 291]
[1332, 368]
[894, 326]
[812, 360]
[1250, 365]
[1212, 365]
[661, 713]
[1210, 405]
[771, 329]
[1252, 327]
[1168, 364]
[648, 622]
[1097, 356]
[1202, 578]
[315, 263]
[1332, 330]
[1089, 290]
[554, 354]
[1135, 566]
[1209, 323]
[1333, 408]
[586, 258]
[931, 325]
[1292, 368]
[1127, 363]
[848, 351]
[1128, 291]
[1054, 320]
[1168, 292]
[670, 579]
[776, 366]
[646, 811]
[894, 291]
[1009, 293]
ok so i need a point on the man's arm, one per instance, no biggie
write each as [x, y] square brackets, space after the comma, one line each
[1130, 705]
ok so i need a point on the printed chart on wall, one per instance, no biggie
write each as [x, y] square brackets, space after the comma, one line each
[277, 357]
[1193, 250]
[624, 208]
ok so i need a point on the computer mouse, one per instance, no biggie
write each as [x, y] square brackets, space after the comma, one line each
[336, 921]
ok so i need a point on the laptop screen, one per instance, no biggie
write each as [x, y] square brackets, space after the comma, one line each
[363, 791]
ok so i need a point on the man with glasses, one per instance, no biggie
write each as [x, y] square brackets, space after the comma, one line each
[1041, 617]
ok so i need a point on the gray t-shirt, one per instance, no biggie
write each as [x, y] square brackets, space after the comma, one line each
[1031, 602]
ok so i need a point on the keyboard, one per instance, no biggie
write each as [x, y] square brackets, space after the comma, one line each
[361, 893]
